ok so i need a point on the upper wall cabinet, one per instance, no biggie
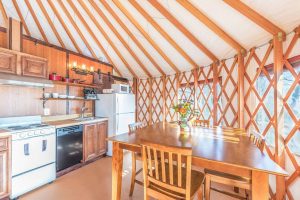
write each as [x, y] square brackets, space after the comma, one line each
[8, 62]
[34, 67]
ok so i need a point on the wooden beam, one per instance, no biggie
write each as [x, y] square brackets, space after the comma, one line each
[21, 17]
[211, 25]
[66, 11]
[162, 31]
[51, 23]
[241, 97]
[279, 112]
[180, 27]
[36, 20]
[255, 17]
[134, 39]
[124, 43]
[215, 92]
[145, 34]
[92, 33]
[95, 21]
[65, 26]
[3, 12]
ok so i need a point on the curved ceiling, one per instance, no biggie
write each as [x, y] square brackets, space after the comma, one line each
[144, 38]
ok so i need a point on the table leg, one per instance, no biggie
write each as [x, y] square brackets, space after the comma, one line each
[117, 166]
[260, 185]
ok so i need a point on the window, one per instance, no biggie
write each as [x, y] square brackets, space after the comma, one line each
[291, 95]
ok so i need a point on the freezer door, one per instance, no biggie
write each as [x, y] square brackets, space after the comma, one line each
[122, 122]
[125, 103]
[105, 106]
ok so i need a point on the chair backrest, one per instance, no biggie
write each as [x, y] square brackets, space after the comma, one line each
[198, 122]
[137, 125]
[257, 138]
[168, 170]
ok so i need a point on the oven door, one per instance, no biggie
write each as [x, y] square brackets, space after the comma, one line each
[32, 153]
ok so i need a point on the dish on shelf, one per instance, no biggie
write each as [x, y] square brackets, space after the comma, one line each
[71, 97]
[46, 95]
[62, 96]
[55, 95]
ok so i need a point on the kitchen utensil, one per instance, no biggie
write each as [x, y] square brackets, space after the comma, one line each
[55, 95]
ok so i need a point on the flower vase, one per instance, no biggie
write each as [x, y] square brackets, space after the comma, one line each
[184, 126]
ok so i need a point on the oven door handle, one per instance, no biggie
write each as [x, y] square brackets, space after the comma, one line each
[26, 149]
[44, 146]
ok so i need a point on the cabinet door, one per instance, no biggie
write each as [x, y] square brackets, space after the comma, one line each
[90, 141]
[102, 134]
[34, 67]
[8, 62]
[4, 174]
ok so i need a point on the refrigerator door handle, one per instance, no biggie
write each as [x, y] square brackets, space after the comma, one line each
[117, 104]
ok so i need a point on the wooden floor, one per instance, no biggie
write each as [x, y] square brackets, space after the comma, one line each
[93, 182]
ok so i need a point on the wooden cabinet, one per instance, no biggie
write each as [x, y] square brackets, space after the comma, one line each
[8, 62]
[94, 140]
[5, 163]
[34, 67]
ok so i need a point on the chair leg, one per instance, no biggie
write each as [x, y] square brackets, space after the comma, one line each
[133, 173]
[207, 187]
[200, 193]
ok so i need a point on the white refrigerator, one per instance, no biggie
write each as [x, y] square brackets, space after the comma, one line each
[120, 111]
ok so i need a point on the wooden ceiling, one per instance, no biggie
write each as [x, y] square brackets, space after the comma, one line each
[152, 38]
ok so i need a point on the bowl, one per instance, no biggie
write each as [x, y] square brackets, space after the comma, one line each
[46, 95]
[62, 96]
[71, 97]
[55, 95]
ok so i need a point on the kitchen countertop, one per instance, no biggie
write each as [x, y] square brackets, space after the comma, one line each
[72, 122]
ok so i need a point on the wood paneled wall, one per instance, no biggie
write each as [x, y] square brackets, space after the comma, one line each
[16, 101]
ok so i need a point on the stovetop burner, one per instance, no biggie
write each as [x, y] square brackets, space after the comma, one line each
[30, 126]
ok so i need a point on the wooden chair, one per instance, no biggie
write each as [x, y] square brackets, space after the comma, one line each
[233, 180]
[203, 123]
[163, 179]
[135, 156]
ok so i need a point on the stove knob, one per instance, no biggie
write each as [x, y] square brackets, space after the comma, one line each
[21, 135]
[42, 132]
[30, 134]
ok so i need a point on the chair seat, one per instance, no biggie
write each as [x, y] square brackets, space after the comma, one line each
[197, 179]
[227, 176]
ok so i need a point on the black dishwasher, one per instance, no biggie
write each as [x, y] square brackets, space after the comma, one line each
[68, 146]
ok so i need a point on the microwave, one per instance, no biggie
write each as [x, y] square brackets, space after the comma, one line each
[120, 88]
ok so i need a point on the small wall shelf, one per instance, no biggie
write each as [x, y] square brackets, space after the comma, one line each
[64, 99]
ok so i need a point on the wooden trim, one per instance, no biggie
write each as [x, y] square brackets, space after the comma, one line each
[211, 25]
[241, 97]
[39, 2]
[64, 25]
[21, 17]
[255, 17]
[91, 32]
[215, 93]
[95, 21]
[135, 40]
[66, 11]
[36, 20]
[145, 34]
[124, 43]
[3, 12]
[161, 30]
[278, 112]
[10, 33]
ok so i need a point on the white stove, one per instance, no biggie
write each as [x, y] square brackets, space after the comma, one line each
[33, 153]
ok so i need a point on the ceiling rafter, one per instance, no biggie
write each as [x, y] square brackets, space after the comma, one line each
[36, 21]
[163, 33]
[65, 26]
[135, 40]
[92, 33]
[21, 17]
[3, 12]
[186, 32]
[50, 23]
[210, 24]
[254, 16]
[66, 11]
[86, 9]
[124, 43]
[145, 34]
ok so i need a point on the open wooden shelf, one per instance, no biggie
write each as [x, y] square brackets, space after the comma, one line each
[75, 84]
[74, 99]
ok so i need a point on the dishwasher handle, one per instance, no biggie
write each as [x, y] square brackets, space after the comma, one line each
[26, 149]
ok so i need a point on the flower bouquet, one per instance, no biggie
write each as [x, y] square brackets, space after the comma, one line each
[186, 112]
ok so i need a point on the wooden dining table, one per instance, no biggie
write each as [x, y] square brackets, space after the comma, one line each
[221, 149]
